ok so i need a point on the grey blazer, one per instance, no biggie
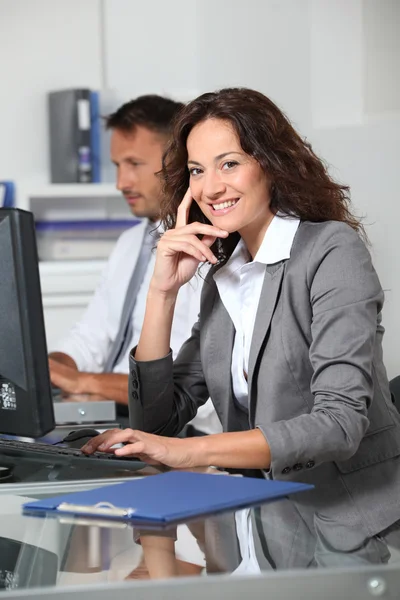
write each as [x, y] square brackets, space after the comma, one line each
[318, 388]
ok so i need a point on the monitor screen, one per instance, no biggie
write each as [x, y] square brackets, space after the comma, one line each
[26, 406]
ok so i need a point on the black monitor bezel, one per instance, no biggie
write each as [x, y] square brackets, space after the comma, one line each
[34, 415]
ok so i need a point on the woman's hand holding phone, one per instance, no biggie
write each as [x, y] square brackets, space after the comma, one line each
[180, 251]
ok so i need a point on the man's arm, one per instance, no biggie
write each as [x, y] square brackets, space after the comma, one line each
[64, 359]
[89, 340]
[65, 375]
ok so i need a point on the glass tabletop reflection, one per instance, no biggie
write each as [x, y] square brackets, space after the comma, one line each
[65, 550]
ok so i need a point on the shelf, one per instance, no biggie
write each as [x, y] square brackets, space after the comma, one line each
[73, 201]
[56, 267]
[68, 285]
[66, 278]
[67, 190]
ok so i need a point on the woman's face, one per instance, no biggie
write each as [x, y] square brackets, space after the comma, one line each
[229, 186]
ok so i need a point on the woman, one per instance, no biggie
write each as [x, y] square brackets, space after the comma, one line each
[288, 342]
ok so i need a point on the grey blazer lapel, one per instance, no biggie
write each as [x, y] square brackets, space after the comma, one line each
[269, 296]
[221, 331]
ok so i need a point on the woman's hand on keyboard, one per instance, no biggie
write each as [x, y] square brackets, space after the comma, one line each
[147, 447]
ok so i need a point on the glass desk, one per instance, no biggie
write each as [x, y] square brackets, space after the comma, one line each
[235, 554]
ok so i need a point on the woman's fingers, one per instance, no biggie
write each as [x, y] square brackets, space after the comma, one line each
[182, 220]
[140, 449]
[106, 440]
[197, 228]
[150, 448]
[190, 244]
[208, 240]
[182, 214]
[137, 443]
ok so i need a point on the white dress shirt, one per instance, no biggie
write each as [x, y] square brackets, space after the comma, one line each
[239, 284]
[90, 340]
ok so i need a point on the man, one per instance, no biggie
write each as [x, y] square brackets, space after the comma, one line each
[93, 358]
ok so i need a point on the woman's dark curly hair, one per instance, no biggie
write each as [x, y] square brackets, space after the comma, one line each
[300, 183]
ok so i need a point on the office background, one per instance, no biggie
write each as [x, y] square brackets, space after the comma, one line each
[332, 65]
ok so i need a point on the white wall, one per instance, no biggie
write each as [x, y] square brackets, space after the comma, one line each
[44, 45]
[357, 130]
[185, 48]
[332, 65]
[151, 47]
[382, 49]
[257, 44]
[337, 60]
[367, 157]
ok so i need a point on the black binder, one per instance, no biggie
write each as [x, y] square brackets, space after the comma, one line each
[71, 159]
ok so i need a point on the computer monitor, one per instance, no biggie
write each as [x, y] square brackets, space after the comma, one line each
[26, 405]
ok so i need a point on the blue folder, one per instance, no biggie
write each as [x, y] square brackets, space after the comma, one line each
[167, 498]
[95, 134]
[7, 194]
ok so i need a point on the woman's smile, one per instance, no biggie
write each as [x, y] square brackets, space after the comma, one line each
[222, 207]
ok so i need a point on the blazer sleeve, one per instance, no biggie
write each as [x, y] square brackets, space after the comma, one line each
[164, 394]
[346, 299]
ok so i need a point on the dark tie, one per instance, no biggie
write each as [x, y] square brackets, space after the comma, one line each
[124, 335]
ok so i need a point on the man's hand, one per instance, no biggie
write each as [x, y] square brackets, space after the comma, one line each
[102, 386]
[64, 377]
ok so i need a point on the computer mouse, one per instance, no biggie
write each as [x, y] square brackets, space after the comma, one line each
[80, 436]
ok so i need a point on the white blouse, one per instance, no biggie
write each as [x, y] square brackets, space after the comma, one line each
[239, 284]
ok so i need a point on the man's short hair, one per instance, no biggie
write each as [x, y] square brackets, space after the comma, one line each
[151, 111]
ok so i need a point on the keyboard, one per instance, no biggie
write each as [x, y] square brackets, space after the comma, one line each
[57, 454]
